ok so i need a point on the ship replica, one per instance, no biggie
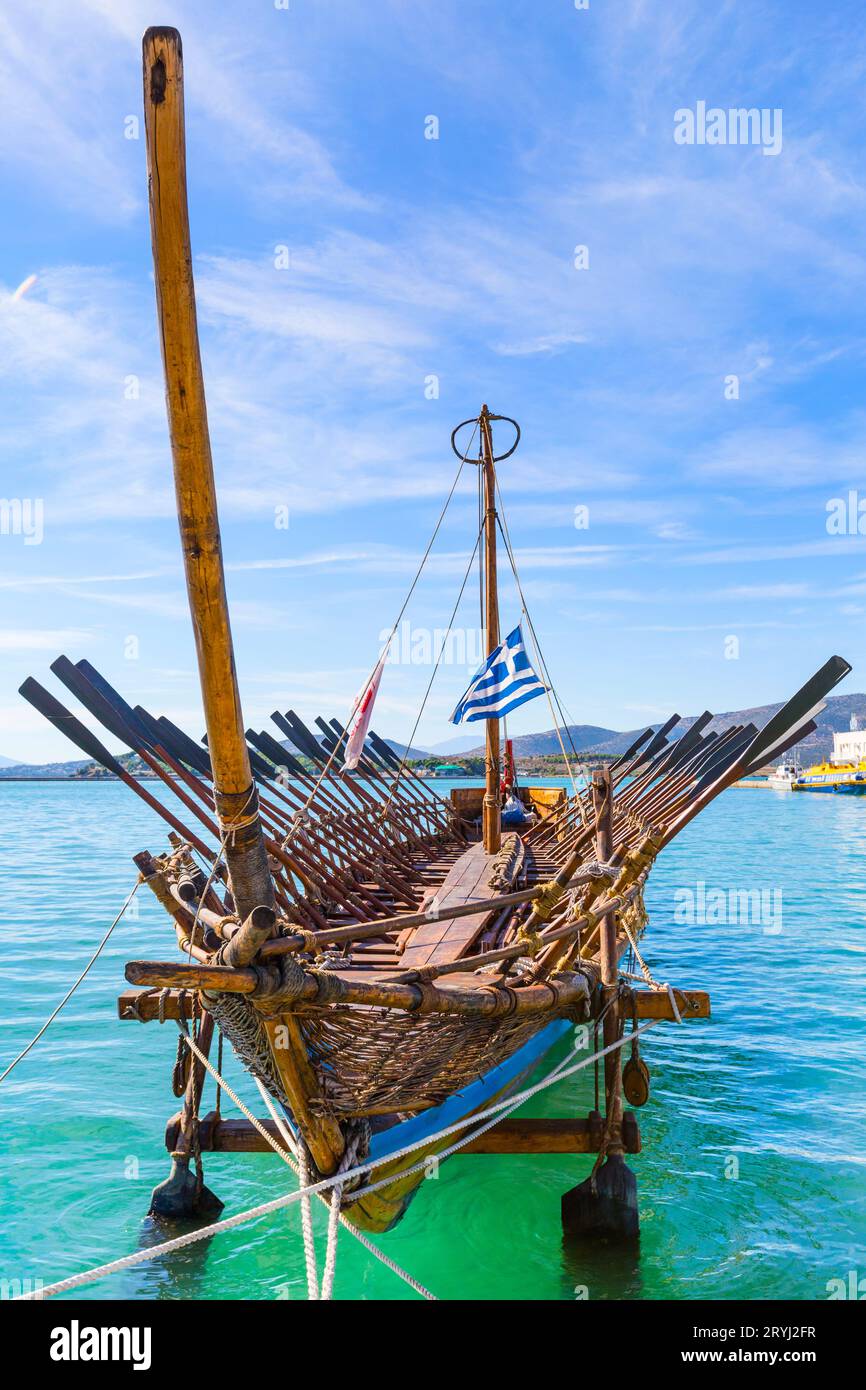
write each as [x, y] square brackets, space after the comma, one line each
[386, 963]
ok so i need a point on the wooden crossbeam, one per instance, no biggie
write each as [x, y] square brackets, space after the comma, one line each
[651, 1003]
[509, 1136]
[143, 1004]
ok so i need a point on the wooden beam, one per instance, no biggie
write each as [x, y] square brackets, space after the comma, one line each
[531, 1136]
[491, 811]
[651, 1003]
[483, 1000]
[143, 1006]
[510, 1136]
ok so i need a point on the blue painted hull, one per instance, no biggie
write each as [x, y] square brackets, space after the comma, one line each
[384, 1209]
[833, 788]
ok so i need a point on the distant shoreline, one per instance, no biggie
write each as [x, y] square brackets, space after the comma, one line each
[86, 781]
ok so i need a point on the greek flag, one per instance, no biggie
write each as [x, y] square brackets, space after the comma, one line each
[505, 681]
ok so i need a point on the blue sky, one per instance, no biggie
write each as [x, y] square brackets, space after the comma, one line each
[455, 258]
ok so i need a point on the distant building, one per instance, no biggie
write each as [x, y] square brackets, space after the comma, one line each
[448, 770]
[850, 746]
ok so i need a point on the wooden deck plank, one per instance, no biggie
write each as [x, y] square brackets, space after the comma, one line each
[438, 942]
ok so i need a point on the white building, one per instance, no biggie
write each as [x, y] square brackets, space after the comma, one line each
[850, 746]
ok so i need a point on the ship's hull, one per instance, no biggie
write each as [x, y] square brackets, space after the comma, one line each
[382, 1210]
[834, 788]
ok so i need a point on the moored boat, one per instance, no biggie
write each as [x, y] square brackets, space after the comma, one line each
[842, 779]
[783, 777]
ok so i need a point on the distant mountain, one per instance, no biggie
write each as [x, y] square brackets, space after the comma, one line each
[583, 736]
[587, 738]
[403, 751]
[10, 762]
[456, 745]
[834, 719]
[59, 770]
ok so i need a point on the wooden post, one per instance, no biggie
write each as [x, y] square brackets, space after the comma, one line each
[179, 1196]
[234, 790]
[492, 812]
[602, 802]
[604, 1205]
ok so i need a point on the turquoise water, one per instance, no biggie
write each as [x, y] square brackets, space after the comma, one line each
[752, 1178]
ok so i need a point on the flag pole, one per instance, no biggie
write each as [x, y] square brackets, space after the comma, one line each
[491, 815]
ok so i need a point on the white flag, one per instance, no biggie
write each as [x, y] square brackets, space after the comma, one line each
[362, 711]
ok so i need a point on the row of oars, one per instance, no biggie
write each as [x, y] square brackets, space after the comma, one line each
[665, 787]
[352, 845]
[674, 785]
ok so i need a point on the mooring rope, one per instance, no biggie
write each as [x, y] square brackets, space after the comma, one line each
[296, 1157]
[69, 993]
[560, 1073]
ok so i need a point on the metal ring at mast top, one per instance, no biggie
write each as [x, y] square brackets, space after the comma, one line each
[474, 421]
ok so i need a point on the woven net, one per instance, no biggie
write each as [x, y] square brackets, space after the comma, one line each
[386, 1061]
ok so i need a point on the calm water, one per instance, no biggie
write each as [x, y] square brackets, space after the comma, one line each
[752, 1179]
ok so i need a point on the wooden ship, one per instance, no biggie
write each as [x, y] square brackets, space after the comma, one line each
[387, 963]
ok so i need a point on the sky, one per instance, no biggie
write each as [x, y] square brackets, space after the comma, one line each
[400, 211]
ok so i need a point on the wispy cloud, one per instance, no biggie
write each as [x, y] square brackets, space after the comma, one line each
[422, 277]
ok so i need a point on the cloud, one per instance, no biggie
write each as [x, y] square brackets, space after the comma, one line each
[785, 456]
[44, 640]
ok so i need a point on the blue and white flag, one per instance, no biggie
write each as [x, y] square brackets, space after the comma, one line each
[505, 681]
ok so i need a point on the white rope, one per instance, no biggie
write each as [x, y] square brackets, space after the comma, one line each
[298, 1150]
[69, 993]
[327, 1288]
[560, 1073]
[302, 1168]
[307, 1225]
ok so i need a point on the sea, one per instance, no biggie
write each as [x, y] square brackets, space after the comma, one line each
[752, 1174]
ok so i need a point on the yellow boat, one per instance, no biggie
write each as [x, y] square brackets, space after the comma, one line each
[846, 779]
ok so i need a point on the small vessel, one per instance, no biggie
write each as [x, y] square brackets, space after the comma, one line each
[783, 777]
[386, 964]
[841, 779]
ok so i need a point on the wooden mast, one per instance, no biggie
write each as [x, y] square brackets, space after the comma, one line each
[234, 789]
[235, 796]
[491, 815]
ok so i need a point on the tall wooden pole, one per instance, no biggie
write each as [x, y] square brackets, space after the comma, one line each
[235, 793]
[491, 814]
[602, 801]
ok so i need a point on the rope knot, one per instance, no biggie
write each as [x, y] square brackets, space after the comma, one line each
[531, 941]
[546, 902]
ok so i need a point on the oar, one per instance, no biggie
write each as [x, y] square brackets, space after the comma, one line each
[58, 715]
[802, 707]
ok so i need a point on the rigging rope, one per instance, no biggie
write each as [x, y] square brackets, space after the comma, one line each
[69, 993]
[438, 662]
[548, 684]
[296, 1157]
[335, 750]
